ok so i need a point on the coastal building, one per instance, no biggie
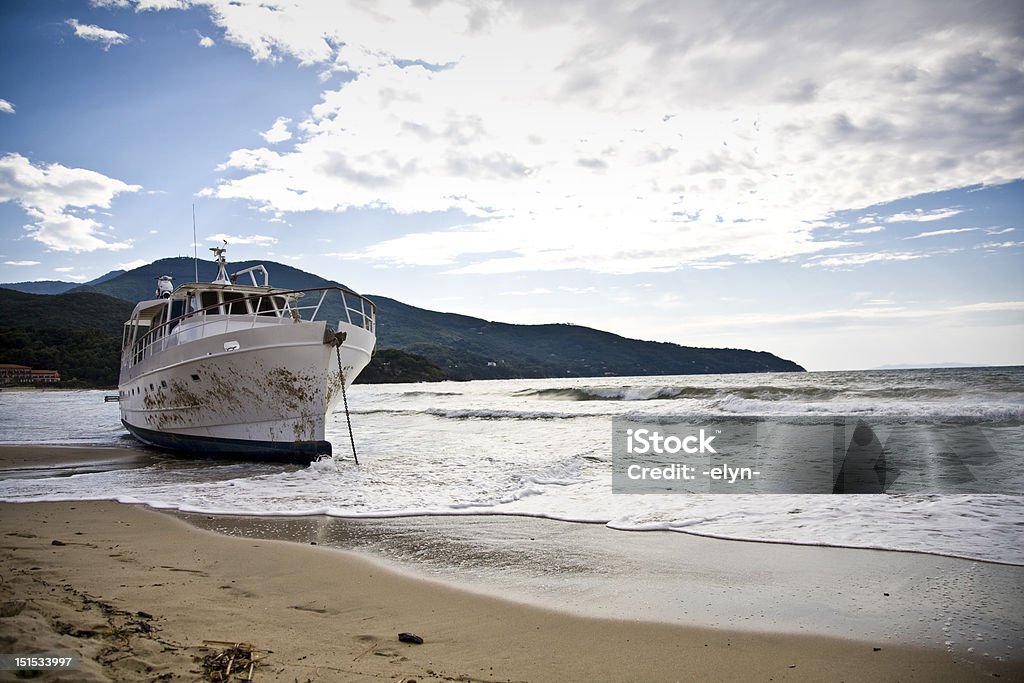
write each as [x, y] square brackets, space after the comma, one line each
[15, 374]
[11, 373]
[45, 376]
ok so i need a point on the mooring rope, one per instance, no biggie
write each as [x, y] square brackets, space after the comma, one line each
[344, 399]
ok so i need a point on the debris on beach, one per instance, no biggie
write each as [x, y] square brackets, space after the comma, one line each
[236, 660]
[410, 638]
[11, 608]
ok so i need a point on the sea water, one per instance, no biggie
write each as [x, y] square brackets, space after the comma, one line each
[543, 448]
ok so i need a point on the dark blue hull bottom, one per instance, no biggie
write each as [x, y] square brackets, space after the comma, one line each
[299, 452]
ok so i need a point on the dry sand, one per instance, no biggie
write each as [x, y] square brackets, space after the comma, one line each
[137, 593]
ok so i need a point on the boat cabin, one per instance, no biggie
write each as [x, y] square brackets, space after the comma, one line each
[194, 311]
[197, 310]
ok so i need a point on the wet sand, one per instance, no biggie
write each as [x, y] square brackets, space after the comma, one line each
[137, 593]
[676, 578]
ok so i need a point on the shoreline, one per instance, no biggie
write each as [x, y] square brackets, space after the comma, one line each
[332, 611]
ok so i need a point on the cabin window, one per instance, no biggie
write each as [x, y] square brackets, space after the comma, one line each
[177, 308]
[158, 324]
[138, 337]
[265, 306]
[235, 303]
[209, 299]
[270, 305]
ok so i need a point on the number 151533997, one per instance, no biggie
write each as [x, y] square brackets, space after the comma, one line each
[38, 661]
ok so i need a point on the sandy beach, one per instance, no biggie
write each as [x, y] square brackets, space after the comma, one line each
[143, 595]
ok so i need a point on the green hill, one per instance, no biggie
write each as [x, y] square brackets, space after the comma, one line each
[76, 333]
[41, 286]
[472, 348]
[421, 344]
[55, 286]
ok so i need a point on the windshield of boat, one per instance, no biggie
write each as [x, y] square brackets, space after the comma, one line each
[241, 303]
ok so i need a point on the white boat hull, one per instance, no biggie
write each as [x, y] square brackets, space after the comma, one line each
[261, 393]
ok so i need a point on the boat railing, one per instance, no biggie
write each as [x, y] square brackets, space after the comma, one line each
[261, 308]
[364, 316]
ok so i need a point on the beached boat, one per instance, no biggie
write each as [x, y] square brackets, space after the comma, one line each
[226, 369]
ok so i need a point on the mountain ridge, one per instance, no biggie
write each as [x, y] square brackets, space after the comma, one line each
[463, 347]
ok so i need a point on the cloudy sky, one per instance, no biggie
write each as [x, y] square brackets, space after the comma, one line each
[839, 183]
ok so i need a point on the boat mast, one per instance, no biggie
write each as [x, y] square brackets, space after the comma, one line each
[195, 243]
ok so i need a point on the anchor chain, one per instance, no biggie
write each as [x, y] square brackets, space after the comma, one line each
[344, 398]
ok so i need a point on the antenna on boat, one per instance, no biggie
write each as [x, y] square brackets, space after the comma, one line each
[222, 263]
[195, 242]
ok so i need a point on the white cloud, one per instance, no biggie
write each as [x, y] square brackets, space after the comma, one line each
[51, 194]
[261, 240]
[922, 216]
[67, 273]
[21, 263]
[866, 231]
[938, 233]
[856, 317]
[989, 307]
[632, 137]
[247, 159]
[278, 132]
[96, 34]
[578, 290]
[6, 107]
[847, 260]
[161, 4]
[206, 41]
[132, 265]
[1000, 245]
